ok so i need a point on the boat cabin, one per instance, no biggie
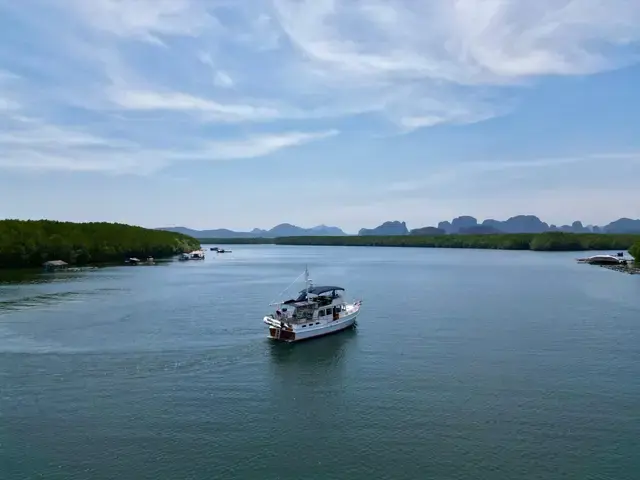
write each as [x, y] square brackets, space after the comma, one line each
[316, 303]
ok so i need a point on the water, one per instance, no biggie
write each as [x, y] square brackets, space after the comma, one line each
[465, 365]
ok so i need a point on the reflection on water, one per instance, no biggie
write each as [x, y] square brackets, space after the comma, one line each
[323, 351]
[36, 300]
[46, 299]
[147, 373]
[26, 276]
[38, 275]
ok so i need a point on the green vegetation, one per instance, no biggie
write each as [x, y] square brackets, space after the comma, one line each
[550, 241]
[635, 251]
[31, 243]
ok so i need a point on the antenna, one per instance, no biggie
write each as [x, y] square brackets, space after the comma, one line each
[307, 279]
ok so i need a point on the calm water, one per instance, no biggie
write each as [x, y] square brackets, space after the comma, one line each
[465, 365]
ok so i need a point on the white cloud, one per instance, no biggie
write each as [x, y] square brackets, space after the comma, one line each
[260, 145]
[223, 79]
[155, 75]
[220, 77]
[30, 144]
[418, 63]
[145, 19]
[462, 41]
[431, 49]
[33, 132]
[176, 101]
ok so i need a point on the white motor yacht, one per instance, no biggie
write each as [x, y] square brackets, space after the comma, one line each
[317, 311]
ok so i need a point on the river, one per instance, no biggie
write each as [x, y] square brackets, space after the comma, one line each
[465, 364]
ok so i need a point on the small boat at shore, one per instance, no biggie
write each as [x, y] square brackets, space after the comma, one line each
[603, 260]
[195, 255]
[317, 311]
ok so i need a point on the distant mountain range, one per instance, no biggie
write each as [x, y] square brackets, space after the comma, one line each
[464, 225]
[532, 224]
[282, 230]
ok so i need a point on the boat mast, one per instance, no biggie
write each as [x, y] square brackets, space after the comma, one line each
[307, 280]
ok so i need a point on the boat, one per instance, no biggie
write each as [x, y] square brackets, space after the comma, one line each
[136, 261]
[317, 311]
[195, 255]
[602, 260]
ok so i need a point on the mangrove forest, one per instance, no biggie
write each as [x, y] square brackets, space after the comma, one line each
[30, 243]
[635, 251]
[548, 241]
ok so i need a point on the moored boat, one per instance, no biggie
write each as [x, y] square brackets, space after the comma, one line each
[603, 260]
[317, 311]
[195, 255]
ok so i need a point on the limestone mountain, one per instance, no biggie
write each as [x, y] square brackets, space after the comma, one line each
[387, 228]
[282, 230]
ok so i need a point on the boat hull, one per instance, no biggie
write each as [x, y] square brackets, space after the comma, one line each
[300, 334]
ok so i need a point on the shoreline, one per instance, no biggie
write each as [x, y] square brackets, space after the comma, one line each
[58, 245]
[630, 268]
[542, 242]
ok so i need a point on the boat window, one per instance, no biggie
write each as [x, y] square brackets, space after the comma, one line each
[317, 323]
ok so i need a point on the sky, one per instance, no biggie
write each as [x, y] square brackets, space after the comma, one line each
[251, 113]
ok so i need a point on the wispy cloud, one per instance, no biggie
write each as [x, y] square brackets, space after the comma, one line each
[260, 145]
[154, 71]
[477, 171]
[464, 41]
[175, 101]
[30, 144]
[222, 79]
[438, 50]
[148, 20]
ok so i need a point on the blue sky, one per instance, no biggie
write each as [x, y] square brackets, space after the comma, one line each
[242, 114]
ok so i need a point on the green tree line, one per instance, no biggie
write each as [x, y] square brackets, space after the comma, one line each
[30, 243]
[635, 252]
[549, 241]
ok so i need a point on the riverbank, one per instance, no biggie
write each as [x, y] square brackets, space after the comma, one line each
[630, 268]
[550, 241]
[31, 243]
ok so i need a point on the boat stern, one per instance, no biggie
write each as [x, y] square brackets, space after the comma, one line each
[279, 330]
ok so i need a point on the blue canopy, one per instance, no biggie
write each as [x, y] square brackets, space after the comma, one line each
[321, 290]
[317, 291]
